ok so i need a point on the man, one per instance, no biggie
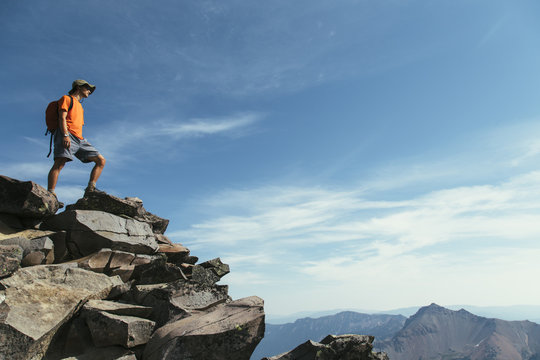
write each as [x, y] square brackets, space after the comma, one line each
[68, 139]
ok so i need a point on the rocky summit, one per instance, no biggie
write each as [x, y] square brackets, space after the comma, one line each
[102, 281]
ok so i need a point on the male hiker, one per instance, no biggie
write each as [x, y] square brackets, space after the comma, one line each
[68, 139]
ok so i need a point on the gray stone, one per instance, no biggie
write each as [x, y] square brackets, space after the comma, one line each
[218, 267]
[227, 332]
[10, 259]
[118, 308]
[26, 199]
[176, 253]
[35, 251]
[96, 262]
[38, 300]
[204, 276]
[131, 207]
[172, 301]
[162, 239]
[109, 329]
[89, 231]
[11, 250]
[57, 237]
[129, 266]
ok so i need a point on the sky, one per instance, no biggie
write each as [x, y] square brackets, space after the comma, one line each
[336, 154]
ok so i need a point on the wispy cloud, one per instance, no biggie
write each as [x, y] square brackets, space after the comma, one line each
[335, 235]
[163, 133]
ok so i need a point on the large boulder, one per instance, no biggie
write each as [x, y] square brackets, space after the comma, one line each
[226, 332]
[175, 300]
[89, 231]
[26, 199]
[38, 300]
[334, 347]
[109, 329]
[131, 207]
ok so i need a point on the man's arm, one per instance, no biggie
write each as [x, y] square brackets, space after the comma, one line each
[62, 125]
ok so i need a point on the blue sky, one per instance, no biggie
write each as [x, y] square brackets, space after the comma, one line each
[337, 154]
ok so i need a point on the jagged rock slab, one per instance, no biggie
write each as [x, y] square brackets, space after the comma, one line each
[89, 231]
[10, 259]
[109, 329]
[35, 251]
[332, 347]
[209, 272]
[228, 332]
[117, 308]
[172, 301]
[176, 253]
[131, 207]
[26, 199]
[38, 300]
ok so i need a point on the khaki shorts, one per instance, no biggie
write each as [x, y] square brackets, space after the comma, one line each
[81, 148]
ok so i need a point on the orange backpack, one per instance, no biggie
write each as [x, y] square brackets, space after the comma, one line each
[51, 119]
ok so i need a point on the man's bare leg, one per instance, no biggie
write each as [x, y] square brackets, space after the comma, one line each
[54, 172]
[96, 171]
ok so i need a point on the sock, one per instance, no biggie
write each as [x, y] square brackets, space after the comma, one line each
[91, 185]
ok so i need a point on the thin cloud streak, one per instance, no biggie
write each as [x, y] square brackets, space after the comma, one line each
[124, 134]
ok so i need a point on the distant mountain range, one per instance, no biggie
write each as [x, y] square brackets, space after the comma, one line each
[510, 313]
[281, 338]
[438, 333]
[432, 333]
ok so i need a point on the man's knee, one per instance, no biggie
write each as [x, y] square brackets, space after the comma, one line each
[100, 161]
[59, 163]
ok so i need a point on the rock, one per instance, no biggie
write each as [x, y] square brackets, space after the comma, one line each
[219, 268]
[229, 331]
[9, 224]
[38, 300]
[203, 276]
[96, 262]
[334, 347]
[143, 268]
[89, 231]
[12, 250]
[117, 308]
[26, 199]
[162, 239]
[109, 329]
[10, 259]
[209, 272]
[176, 253]
[131, 207]
[172, 301]
[35, 251]
[159, 273]
[57, 237]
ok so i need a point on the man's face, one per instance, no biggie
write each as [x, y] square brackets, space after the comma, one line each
[86, 91]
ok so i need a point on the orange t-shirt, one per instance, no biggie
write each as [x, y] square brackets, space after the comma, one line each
[75, 117]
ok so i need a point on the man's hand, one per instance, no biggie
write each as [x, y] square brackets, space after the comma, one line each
[66, 142]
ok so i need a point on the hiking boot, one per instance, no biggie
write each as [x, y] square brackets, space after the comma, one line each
[60, 204]
[93, 190]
